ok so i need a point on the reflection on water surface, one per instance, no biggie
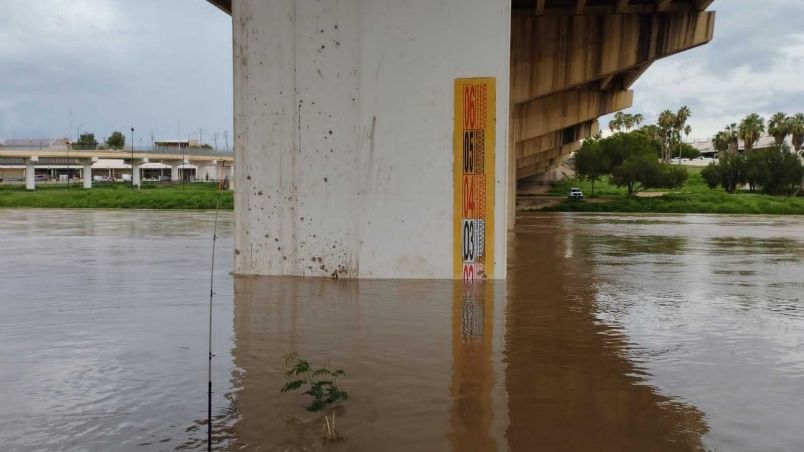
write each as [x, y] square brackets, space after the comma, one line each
[611, 333]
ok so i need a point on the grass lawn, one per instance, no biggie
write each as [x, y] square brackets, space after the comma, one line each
[694, 197]
[116, 196]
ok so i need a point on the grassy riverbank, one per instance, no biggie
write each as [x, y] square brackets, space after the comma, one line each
[694, 197]
[117, 196]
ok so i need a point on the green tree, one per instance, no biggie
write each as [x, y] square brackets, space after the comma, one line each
[625, 122]
[644, 171]
[729, 172]
[682, 116]
[671, 126]
[796, 129]
[651, 131]
[733, 133]
[721, 142]
[116, 140]
[591, 163]
[666, 123]
[687, 151]
[775, 170]
[618, 123]
[86, 141]
[750, 130]
[617, 148]
[779, 127]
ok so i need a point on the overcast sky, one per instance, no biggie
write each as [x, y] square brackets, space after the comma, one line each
[161, 65]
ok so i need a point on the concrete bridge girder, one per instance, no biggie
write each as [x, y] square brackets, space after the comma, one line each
[554, 139]
[566, 109]
[555, 53]
[552, 159]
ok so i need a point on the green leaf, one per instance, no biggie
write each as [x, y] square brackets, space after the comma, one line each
[292, 385]
[322, 371]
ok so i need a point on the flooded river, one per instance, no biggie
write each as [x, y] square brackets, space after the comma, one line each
[612, 333]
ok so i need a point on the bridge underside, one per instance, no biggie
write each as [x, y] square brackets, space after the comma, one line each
[574, 61]
[351, 115]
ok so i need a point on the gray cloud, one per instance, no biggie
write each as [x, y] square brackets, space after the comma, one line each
[114, 64]
[754, 64]
[151, 64]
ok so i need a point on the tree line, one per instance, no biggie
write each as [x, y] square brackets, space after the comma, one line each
[631, 159]
[87, 141]
[667, 131]
[775, 170]
[752, 127]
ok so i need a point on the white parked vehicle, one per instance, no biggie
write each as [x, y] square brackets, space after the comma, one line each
[575, 194]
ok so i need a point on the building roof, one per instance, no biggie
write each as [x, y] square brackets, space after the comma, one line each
[762, 143]
[41, 143]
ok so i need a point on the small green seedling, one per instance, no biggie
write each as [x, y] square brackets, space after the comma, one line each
[321, 382]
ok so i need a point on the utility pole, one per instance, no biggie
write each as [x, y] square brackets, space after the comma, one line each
[201, 137]
[215, 137]
[226, 138]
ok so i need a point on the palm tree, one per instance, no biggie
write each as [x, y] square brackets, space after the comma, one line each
[721, 142]
[682, 116]
[638, 119]
[733, 134]
[778, 126]
[795, 127]
[618, 123]
[750, 129]
[667, 123]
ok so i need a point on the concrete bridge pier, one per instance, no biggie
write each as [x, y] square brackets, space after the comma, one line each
[136, 171]
[174, 172]
[30, 173]
[87, 173]
[352, 121]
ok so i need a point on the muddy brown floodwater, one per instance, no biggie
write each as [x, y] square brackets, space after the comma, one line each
[612, 333]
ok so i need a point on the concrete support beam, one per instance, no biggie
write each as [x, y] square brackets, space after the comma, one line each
[554, 139]
[566, 109]
[344, 121]
[30, 173]
[550, 160]
[554, 53]
[174, 171]
[663, 5]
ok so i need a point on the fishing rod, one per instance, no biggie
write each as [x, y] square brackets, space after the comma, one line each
[211, 296]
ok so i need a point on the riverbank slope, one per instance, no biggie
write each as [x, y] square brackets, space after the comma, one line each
[694, 197]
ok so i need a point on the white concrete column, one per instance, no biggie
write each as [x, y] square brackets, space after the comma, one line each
[344, 114]
[30, 173]
[135, 173]
[88, 174]
[202, 171]
[174, 172]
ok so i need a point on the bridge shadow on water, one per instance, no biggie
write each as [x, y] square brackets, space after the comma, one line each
[441, 365]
